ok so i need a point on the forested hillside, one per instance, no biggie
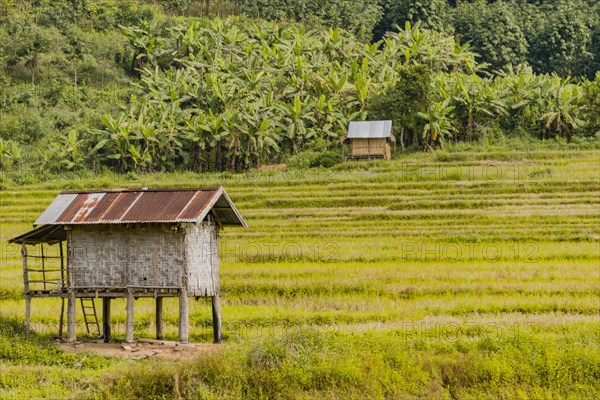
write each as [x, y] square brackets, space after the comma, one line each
[217, 85]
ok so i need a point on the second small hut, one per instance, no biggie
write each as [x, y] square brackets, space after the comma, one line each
[369, 139]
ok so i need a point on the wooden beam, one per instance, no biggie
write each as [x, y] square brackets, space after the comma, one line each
[129, 324]
[214, 214]
[216, 314]
[71, 323]
[103, 292]
[106, 333]
[159, 311]
[184, 324]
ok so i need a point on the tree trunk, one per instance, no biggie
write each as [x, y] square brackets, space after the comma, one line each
[470, 127]
[402, 138]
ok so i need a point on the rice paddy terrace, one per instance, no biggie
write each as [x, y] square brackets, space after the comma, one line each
[465, 257]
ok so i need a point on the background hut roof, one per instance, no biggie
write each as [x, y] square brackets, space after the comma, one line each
[141, 206]
[370, 130]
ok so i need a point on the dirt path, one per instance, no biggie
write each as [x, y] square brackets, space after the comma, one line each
[142, 349]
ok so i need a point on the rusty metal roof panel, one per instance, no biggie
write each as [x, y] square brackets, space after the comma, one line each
[71, 210]
[140, 206]
[108, 202]
[119, 205]
[83, 210]
[369, 129]
[197, 204]
[158, 206]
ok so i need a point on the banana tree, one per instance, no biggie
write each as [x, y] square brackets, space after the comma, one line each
[118, 131]
[10, 153]
[296, 119]
[71, 149]
[478, 98]
[565, 109]
[142, 159]
[146, 43]
[438, 123]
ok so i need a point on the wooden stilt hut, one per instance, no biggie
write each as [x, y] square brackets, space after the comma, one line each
[370, 139]
[152, 243]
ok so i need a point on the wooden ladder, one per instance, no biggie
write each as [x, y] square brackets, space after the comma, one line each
[90, 317]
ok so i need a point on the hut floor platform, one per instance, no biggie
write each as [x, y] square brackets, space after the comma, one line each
[106, 292]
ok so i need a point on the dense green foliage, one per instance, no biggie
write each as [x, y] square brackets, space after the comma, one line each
[125, 86]
[432, 14]
[232, 94]
[550, 35]
[60, 70]
[403, 102]
[495, 32]
[592, 103]
[358, 16]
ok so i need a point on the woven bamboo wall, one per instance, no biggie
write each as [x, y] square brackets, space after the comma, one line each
[369, 147]
[202, 259]
[117, 256]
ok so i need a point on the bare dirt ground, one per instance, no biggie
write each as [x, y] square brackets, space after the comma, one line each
[144, 348]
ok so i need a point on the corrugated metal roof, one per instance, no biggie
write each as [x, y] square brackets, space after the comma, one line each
[43, 234]
[369, 129]
[141, 206]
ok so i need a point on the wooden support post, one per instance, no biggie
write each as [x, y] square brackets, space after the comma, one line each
[43, 265]
[129, 325]
[62, 266]
[106, 334]
[71, 323]
[216, 314]
[28, 314]
[69, 283]
[184, 324]
[62, 317]
[26, 287]
[159, 308]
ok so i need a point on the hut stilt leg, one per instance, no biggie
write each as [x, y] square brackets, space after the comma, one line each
[28, 314]
[106, 334]
[216, 314]
[159, 309]
[71, 323]
[62, 317]
[184, 324]
[26, 287]
[129, 325]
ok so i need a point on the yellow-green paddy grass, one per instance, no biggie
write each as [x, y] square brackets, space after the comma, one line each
[469, 275]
